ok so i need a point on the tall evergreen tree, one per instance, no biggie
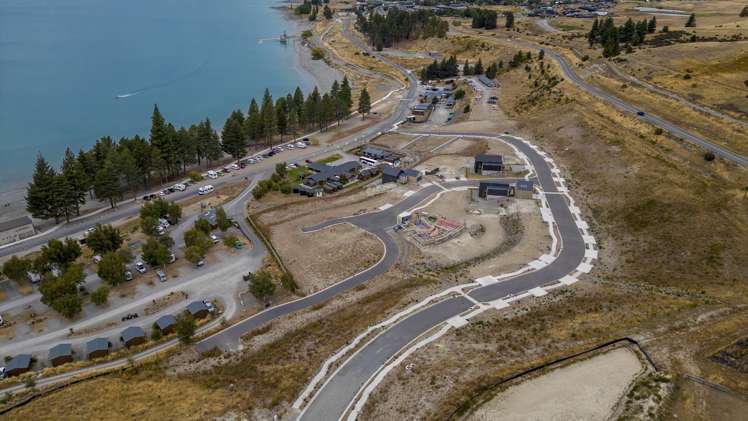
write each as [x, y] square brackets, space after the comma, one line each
[346, 95]
[41, 192]
[691, 21]
[267, 114]
[652, 25]
[509, 20]
[744, 12]
[281, 117]
[128, 170]
[107, 184]
[252, 124]
[364, 103]
[76, 180]
[478, 68]
[232, 136]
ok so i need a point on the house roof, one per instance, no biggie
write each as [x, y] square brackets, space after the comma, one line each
[493, 185]
[196, 307]
[61, 350]
[489, 159]
[97, 344]
[374, 152]
[131, 333]
[317, 166]
[525, 185]
[14, 223]
[22, 361]
[332, 171]
[165, 321]
[397, 172]
[422, 107]
[485, 80]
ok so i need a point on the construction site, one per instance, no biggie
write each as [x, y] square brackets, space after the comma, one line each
[425, 229]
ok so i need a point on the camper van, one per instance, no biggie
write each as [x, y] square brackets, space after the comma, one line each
[205, 190]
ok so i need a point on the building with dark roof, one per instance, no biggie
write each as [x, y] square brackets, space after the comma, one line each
[97, 348]
[18, 365]
[485, 162]
[392, 174]
[490, 189]
[381, 155]
[347, 170]
[16, 229]
[524, 189]
[133, 335]
[486, 81]
[197, 309]
[166, 324]
[61, 354]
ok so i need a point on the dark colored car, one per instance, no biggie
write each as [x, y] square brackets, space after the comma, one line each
[640, 113]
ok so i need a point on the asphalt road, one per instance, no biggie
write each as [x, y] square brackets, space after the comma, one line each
[332, 400]
[626, 107]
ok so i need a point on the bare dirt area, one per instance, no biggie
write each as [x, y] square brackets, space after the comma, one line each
[394, 141]
[586, 390]
[450, 166]
[322, 258]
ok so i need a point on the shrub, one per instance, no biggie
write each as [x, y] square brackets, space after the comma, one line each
[466, 109]
[318, 53]
[195, 176]
[459, 94]
[709, 156]
[100, 295]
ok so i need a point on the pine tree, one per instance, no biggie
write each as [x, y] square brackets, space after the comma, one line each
[267, 114]
[232, 136]
[346, 95]
[478, 68]
[252, 122]
[364, 103]
[40, 200]
[509, 20]
[594, 35]
[652, 25]
[128, 169]
[76, 180]
[691, 21]
[281, 116]
[466, 70]
[107, 183]
[744, 12]
[327, 12]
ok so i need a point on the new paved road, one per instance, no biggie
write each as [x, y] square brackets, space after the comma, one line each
[334, 397]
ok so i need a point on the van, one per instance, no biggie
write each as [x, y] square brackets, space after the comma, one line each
[205, 190]
[212, 174]
[161, 275]
[180, 187]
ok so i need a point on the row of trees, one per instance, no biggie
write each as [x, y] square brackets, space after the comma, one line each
[287, 115]
[482, 18]
[440, 69]
[398, 25]
[605, 33]
[491, 71]
[109, 170]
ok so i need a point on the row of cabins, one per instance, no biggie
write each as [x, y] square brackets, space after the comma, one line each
[100, 347]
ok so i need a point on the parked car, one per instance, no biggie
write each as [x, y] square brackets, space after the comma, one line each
[205, 190]
[128, 275]
[214, 238]
[130, 316]
[140, 267]
[160, 230]
[211, 307]
[164, 222]
[161, 275]
[306, 140]
[301, 145]
[640, 113]
[200, 263]
[172, 258]
[212, 174]
[97, 258]
[290, 146]
[180, 187]
[234, 167]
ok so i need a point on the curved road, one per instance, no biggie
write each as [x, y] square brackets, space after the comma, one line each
[333, 399]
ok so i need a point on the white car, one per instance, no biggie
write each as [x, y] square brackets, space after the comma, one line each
[212, 174]
[180, 187]
[290, 146]
[205, 190]
[234, 167]
[97, 258]
[301, 145]
[140, 267]
[214, 238]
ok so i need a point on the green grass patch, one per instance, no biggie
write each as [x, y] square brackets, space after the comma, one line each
[329, 159]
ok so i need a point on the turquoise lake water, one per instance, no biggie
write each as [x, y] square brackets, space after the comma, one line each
[64, 62]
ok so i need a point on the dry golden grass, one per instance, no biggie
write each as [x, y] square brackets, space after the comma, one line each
[125, 397]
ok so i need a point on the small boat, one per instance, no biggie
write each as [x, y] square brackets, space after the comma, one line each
[284, 38]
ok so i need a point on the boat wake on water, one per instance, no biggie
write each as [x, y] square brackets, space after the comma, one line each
[164, 84]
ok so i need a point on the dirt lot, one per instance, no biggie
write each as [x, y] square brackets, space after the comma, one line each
[320, 259]
[586, 390]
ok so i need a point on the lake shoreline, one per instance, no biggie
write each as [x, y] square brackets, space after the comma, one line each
[311, 72]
